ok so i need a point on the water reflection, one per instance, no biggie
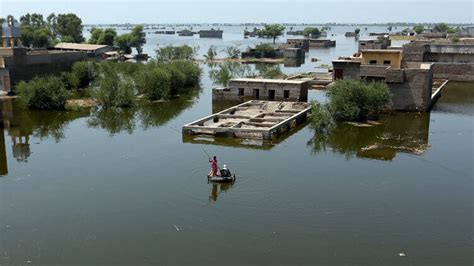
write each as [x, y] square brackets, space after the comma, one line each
[457, 98]
[243, 143]
[20, 124]
[144, 115]
[218, 188]
[399, 132]
[3, 155]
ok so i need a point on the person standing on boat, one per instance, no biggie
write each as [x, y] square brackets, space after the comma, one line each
[213, 166]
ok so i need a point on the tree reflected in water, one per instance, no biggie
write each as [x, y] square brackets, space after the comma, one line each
[144, 114]
[399, 132]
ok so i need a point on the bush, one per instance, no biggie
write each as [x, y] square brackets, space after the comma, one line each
[172, 53]
[314, 32]
[82, 74]
[264, 48]
[155, 83]
[191, 71]
[357, 100]
[114, 89]
[177, 78]
[46, 93]
[321, 119]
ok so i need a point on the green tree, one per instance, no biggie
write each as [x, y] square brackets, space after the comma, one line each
[172, 53]
[34, 31]
[233, 52]
[211, 53]
[357, 31]
[124, 43]
[138, 38]
[69, 28]
[273, 31]
[418, 28]
[313, 31]
[441, 27]
[107, 37]
[82, 74]
[113, 89]
[96, 33]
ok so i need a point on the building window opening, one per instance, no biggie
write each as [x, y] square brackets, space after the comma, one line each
[241, 91]
[286, 94]
[373, 62]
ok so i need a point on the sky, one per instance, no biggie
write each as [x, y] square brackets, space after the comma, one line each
[249, 11]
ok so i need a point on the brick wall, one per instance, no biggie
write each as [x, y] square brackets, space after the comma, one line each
[454, 72]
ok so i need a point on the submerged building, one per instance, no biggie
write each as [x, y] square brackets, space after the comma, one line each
[18, 63]
[212, 33]
[453, 61]
[410, 87]
[244, 89]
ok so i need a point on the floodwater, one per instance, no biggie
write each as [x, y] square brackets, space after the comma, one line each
[127, 188]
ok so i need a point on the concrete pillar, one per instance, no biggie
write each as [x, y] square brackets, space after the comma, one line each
[12, 42]
[18, 43]
[5, 42]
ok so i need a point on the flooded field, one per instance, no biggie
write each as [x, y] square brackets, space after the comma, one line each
[127, 187]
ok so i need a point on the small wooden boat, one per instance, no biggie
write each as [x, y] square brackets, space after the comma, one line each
[230, 178]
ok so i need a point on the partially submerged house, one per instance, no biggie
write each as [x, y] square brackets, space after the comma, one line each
[244, 89]
[212, 33]
[18, 63]
[251, 120]
[410, 87]
[453, 61]
[317, 43]
[371, 44]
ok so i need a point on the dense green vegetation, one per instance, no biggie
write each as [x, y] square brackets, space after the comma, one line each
[264, 48]
[419, 29]
[44, 93]
[172, 53]
[38, 32]
[101, 36]
[134, 39]
[112, 84]
[350, 100]
[313, 31]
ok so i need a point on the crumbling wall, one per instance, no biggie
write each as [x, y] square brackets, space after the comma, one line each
[414, 93]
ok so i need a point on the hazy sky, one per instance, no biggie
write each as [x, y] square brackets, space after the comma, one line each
[232, 11]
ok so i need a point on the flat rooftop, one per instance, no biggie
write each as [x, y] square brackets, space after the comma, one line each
[382, 51]
[79, 46]
[276, 81]
[252, 119]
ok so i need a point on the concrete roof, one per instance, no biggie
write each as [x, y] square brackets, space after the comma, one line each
[381, 51]
[79, 46]
[279, 81]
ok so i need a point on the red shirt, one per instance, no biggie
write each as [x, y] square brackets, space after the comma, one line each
[213, 165]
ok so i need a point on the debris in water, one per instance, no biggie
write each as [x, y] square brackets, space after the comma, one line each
[401, 254]
[177, 228]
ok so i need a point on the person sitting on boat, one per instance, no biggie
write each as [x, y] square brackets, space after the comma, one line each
[225, 172]
[213, 166]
